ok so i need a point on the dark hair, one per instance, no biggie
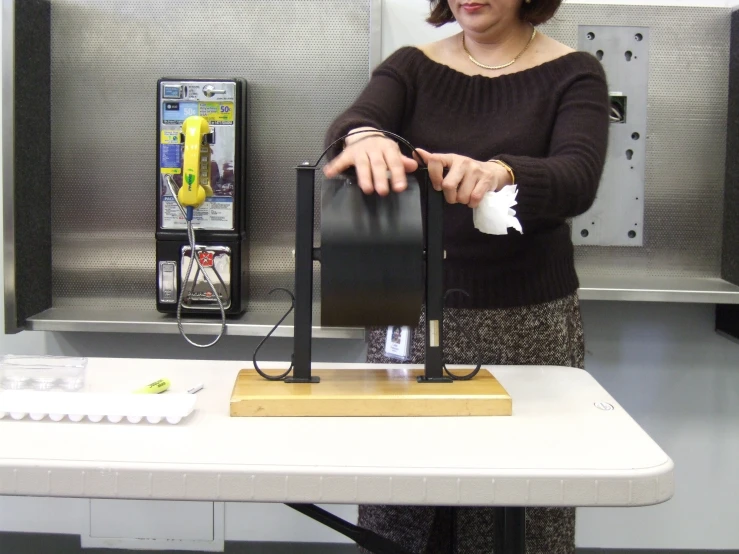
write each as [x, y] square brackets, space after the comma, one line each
[536, 13]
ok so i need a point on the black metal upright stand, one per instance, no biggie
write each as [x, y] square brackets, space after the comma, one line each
[434, 355]
[305, 254]
[303, 277]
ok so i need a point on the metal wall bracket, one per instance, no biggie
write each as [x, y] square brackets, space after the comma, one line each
[617, 215]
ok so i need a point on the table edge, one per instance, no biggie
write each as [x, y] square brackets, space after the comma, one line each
[324, 485]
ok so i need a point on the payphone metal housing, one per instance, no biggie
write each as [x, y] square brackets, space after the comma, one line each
[220, 223]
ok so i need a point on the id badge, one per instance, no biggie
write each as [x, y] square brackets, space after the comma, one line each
[398, 343]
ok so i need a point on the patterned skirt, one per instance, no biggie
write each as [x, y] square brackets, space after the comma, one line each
[543, 334]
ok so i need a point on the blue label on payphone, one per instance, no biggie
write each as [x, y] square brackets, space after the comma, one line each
[175, 113]
[170, 156]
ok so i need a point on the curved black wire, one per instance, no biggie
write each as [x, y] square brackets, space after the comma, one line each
[292, 358]
[475, 371]
[400, 139]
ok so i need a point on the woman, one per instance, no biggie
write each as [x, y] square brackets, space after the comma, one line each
[497, 104]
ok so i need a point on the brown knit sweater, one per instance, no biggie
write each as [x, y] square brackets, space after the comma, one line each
[549, 123]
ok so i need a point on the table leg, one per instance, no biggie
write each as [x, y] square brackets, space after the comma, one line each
[510, 531]
[363, 537]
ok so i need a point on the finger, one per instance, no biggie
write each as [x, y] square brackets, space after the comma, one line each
[422, 154]
[464, 190]
[447, 160]
[436, 173]
[409, 165]
[364, 173]
[340, 163]
[451, 182]
[394, 162]
[379, 172]
[479, 192]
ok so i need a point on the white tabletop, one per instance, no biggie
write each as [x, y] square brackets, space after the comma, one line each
[559, 448]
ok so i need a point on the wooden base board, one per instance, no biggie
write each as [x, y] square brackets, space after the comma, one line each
[374, 392]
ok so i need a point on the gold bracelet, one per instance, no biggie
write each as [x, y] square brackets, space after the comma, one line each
[507, 168]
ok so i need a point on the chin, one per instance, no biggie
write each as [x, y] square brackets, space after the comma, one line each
[477, 22]
[477, 25]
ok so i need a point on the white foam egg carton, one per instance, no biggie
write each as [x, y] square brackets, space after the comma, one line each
[96, 407]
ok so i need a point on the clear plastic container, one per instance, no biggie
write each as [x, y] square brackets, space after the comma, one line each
[42, 373]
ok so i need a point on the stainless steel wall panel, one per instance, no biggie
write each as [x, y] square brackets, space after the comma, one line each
[304, 62]
[686, 139]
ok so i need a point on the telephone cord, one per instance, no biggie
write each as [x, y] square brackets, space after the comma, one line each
[194, 257]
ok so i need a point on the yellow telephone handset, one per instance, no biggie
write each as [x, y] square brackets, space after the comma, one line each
[196, 163]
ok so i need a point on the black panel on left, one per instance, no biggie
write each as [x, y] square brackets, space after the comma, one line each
[32, 157]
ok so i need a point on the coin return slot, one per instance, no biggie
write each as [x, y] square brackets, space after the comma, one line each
[618, 109]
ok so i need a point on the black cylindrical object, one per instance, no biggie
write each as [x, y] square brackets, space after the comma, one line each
[372, 267]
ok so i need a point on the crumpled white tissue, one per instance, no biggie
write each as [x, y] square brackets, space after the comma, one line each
[495, 214]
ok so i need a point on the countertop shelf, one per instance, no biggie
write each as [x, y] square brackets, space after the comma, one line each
[659, 289]
[151, 321]
[692, 290]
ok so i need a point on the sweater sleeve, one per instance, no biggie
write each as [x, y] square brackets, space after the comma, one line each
[381, 104]
[564, 183]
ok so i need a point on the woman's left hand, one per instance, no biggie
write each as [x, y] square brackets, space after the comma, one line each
[467, 181]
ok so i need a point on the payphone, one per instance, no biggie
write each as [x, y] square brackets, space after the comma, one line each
[201, 178]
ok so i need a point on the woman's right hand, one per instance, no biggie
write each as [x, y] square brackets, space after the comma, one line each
[374, 156]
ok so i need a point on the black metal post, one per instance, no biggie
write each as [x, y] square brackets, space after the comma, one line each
[303, 277]
[510, 531]
[434, 371]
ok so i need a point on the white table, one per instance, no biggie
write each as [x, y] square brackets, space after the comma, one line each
[568, 443]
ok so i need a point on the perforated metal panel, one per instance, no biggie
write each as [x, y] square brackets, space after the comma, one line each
[686, 139]
[304, 61]
[730, 251]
